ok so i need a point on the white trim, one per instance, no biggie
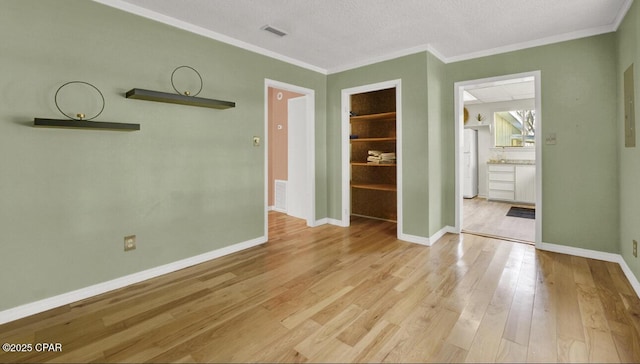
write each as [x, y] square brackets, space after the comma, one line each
[458, 106]
[346, 170]
[336, 222]
[594, 254]
[537, 80]
[534, 43]
[387, 57]
[414, 239]
[447, 229]
[622, 13]
[580, 252]
[100, 288]
[426, 241]
[633, 280]
[310, 97]
[320, 222]
[150, 14]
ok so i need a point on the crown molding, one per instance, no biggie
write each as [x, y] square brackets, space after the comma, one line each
[176, 23]
[534, 43]
[624, 9]
[146, 13]
[386, 57]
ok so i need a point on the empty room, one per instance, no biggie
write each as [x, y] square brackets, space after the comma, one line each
[319, 181]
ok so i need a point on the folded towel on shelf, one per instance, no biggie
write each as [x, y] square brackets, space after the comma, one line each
[373, 159]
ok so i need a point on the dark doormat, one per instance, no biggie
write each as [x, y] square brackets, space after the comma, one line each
[522, 212]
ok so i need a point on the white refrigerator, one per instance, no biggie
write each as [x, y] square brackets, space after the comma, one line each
[470, 164]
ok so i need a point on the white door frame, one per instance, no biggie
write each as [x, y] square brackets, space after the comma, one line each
[346, 155]
[459, 130]
[309, 95]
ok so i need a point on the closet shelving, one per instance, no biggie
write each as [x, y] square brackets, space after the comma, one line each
[373, 128]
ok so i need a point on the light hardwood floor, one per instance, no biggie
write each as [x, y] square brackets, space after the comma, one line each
[489, 218]
[331, 294]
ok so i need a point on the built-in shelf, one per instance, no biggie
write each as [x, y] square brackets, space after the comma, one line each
[385, 116]
[84, 124]
[361, 140]
[141, 94]
[374, 186]
[372, 164]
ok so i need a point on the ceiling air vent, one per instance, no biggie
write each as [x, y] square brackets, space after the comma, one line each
[276, 31]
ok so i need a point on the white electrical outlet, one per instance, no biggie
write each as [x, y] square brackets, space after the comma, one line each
[129, 242]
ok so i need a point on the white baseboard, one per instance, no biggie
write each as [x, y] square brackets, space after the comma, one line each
[426, 241]
[96, 289]
[336, 222]
[630, 276]
[580, 252]
[414, 239]
[594, 254]
[321, 222]
[447, 229]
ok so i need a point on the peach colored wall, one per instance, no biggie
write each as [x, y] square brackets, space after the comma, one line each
[278, 115]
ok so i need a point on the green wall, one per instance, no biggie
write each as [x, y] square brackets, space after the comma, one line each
[580, 173]
[191, 182]
[629, 158]
[579, 104]
[441, 137]
[187, 183]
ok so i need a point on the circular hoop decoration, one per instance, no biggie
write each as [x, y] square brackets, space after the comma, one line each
[186, 93]
[79, 116]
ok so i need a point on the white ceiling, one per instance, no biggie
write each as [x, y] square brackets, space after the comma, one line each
[508, 90]
[334, 35]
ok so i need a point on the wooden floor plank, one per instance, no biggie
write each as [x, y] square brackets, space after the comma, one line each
[488, 338]
[357, 294]
[542, 340]
[571, 341]
[518, 325]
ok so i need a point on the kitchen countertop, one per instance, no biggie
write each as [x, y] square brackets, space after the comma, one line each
[511, 161]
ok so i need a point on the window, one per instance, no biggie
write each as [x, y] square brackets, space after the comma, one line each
[515, 128]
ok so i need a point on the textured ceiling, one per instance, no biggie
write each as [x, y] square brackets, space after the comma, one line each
[333, 35]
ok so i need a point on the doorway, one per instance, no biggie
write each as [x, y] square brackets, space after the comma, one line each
[289, 151]
[508, 175]
[372, 152]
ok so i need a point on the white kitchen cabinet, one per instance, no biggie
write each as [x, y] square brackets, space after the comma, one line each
[526, 183]
[501, 181]
[512, 182]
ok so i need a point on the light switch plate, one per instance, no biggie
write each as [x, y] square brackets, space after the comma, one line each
[550, 139]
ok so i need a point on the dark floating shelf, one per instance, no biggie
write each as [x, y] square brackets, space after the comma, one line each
[83, 124]
[141, 94]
